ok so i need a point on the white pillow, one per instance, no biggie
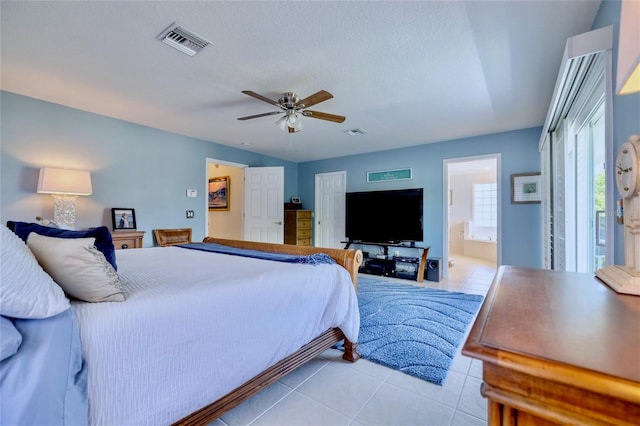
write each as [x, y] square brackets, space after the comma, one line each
[78, 267]
[26, 291]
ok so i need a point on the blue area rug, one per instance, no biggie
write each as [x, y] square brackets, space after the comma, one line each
[413, 329]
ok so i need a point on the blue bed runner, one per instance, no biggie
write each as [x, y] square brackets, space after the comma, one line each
[313, 259]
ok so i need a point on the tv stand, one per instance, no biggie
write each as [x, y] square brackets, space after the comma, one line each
[388, 266]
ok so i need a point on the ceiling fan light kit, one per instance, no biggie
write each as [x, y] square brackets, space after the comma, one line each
[294, 108]
[289, 123]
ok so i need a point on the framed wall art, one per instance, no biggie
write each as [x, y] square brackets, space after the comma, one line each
[123, 219]
[389, 175]
[219, 190]
[525, 188]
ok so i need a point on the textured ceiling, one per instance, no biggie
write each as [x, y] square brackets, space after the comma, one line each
[408, 73]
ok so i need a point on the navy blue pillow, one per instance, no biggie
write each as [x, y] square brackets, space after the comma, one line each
[104, 242]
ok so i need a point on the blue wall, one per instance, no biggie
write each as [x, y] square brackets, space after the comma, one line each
[626, 109]
[149, 169]
[521, 223]
[131, 166]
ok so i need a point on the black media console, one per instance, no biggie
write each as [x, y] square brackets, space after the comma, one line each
[398, 267]
[410, 268]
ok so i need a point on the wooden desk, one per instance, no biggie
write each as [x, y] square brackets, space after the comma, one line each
[557, 348]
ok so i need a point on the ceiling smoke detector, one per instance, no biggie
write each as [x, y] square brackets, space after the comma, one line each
[356, 132]
[182, 39]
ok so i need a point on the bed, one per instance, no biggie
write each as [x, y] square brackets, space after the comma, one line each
[221, 328]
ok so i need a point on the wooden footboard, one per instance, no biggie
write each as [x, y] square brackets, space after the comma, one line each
[350, 260]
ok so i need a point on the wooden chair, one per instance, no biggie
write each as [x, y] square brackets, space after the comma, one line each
[170, 237]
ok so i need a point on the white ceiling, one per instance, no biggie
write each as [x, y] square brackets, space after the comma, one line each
[408, 73]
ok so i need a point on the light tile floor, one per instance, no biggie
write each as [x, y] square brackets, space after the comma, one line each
[330, 391]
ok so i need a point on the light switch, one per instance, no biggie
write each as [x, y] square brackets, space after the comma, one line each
[192, 193]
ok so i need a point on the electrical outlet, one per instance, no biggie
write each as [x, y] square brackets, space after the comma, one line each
[190, 214]
[192, 193]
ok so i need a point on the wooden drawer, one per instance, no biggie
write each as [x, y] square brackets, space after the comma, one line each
[125, 243]
[304, 233]
[127, 240]
[304, 242]
[304, 214]
[304, 223]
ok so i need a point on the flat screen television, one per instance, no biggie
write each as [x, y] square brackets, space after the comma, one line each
[393, 216]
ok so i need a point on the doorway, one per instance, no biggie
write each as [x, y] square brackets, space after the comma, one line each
[226, 222]
[472, 211]
[254, 209]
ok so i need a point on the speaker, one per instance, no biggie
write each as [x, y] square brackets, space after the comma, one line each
[433, 271]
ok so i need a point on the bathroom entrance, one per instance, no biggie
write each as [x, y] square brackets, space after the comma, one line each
[473, 210]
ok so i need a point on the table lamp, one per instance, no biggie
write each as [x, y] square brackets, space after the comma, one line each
[64, 185]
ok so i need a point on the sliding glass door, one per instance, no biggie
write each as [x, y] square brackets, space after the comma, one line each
[577, 201]
[590, 192]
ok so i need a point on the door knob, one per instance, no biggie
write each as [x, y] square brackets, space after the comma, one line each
[278, 223]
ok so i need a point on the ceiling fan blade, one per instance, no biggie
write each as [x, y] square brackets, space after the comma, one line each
[324, 116]
[249, 117]
[262, 98]
[316, 98]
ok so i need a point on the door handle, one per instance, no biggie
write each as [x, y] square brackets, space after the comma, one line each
[278, 223]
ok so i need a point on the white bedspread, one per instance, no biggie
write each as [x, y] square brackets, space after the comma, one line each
[196, 325]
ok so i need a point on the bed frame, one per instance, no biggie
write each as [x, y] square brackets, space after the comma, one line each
[351, 261]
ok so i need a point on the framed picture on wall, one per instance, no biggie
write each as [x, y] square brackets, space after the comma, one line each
[123, 219]
[219, 190]
[525, 188]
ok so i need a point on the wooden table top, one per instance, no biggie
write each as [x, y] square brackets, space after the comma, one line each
[562, 318]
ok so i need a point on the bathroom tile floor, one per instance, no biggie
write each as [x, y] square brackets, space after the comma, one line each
[330, 391]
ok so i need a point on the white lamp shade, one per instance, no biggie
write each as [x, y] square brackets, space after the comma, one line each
[628, 75]
[64, 181]
[282, 123]
[294, 122]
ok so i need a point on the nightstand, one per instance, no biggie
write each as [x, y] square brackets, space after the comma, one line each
[127, 239]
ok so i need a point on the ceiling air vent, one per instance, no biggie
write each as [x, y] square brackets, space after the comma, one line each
[183, 40]
[356, 132]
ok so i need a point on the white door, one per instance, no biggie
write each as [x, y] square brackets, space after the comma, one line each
[330, 209]
[264, 204]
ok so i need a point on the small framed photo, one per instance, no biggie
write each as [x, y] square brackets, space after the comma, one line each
[525, 188]
[219, 188]
[123, 219]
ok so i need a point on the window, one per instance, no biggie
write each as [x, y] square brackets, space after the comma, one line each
[485, 204]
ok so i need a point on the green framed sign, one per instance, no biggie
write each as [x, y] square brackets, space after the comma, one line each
[386, 175]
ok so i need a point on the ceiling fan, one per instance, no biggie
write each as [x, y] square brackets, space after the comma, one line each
[293, 107]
